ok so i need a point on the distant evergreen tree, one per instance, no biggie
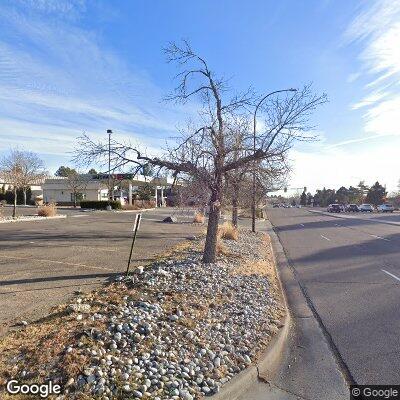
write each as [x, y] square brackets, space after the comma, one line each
[303, 199]
[376, 194]
[65, 171]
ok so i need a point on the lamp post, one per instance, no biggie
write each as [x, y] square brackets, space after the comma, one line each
[258, 105]
[109, 131]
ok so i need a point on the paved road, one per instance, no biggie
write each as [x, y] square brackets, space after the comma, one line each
[43, 263]
[350, 270]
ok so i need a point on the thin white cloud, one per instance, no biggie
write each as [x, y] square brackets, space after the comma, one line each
[353, 77]
[352, 141]
[369, 100]
[57, 80]
[377, 30]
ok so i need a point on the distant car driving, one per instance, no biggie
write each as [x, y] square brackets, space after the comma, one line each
[334, 208]
[386, 208]
[366, 208]
[352, 208]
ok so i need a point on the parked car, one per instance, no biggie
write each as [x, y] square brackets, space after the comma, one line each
[334, 208]
[352, 208]
[366, 208]
[386, 208]
[275, 206]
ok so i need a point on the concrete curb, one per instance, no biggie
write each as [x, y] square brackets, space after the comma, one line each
[268, 362]
[10, 221]
[134, 211]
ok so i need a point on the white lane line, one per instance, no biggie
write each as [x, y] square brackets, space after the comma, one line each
[393, 276]
[379, 237]
[324, 237]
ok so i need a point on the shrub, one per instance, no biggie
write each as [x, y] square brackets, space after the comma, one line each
[198, 218]
[228, 231]
[100, 205]
[49, 210]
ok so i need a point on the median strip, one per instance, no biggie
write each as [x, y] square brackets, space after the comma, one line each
[176, 328]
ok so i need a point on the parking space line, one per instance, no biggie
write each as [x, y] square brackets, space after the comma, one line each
[392, 275]
[55, 262]
[379, 237]
[324, 237]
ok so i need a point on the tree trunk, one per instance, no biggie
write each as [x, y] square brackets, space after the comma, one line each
[24, 196]
[74, 200]
[210, 248]
[15, 203]
[235, 203]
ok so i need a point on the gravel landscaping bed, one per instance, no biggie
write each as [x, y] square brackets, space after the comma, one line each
[175, 329]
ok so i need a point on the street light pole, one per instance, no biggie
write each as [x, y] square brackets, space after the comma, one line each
[109, 131]
[253, 203]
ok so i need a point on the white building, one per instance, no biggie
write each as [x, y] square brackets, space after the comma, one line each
[36, 187]
[60, 191]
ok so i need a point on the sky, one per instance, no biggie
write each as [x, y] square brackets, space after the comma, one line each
[68, 67]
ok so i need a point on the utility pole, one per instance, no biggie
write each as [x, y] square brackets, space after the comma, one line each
[109, 131]
[253, 203]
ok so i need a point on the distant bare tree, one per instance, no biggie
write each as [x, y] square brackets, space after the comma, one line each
[77, 182]
[207, 151]
[269, 177]
[32, 171]
[21, 169]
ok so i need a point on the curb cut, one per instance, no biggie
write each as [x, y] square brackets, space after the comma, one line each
[269, 360]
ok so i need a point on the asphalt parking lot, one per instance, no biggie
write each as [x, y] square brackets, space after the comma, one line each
[43, 263]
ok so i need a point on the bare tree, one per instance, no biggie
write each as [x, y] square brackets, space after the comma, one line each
[270, 175]
[208, 150]
[32, 171]
[21, 169]
[77, 182]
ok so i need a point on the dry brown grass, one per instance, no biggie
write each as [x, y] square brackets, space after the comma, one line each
[228, 231]
[130, 207]
[198, 218]
[49, 210]
[221, 249]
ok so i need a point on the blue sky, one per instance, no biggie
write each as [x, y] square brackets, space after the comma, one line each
[85, 65]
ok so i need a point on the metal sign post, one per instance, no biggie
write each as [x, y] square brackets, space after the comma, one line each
[135, 230]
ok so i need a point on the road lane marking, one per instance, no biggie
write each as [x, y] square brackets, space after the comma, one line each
[379, 237]
[338, 225]
[324, 237]
[392, 275]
